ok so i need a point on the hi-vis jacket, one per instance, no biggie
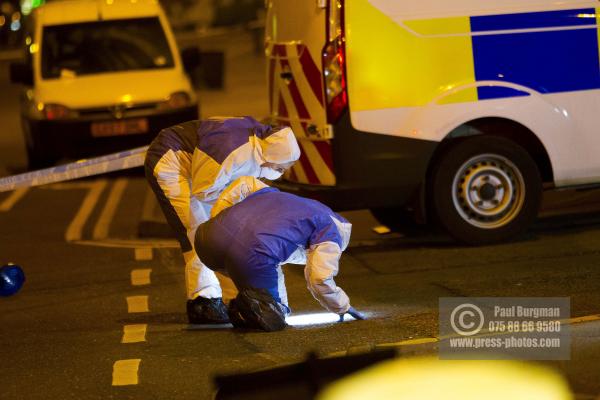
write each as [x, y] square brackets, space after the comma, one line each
[256, 229]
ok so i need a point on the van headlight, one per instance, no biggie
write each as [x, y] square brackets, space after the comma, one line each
[176, 100]
[53, 111]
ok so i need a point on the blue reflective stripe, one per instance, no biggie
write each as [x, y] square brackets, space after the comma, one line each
[544, 19]
[546, 61]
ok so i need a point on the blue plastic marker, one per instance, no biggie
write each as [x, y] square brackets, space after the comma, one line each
[12, 278]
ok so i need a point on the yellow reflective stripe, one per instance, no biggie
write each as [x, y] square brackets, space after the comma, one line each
[289, 103]
[311, 102]
[390, 67]
[321, 169]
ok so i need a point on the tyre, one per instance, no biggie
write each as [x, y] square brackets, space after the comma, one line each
[485, 189]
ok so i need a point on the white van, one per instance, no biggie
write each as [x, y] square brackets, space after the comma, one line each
[462, 110]
[102, 76]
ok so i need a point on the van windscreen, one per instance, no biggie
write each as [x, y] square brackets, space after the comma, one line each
[104, 46]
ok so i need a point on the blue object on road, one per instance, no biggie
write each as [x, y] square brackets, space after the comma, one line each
[12, 278]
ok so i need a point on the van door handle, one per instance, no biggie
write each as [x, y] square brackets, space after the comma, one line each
[288, 76]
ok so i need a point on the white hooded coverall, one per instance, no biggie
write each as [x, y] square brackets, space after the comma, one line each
[190, 164]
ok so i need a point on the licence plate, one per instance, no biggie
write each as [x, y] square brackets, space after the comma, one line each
[117, 128]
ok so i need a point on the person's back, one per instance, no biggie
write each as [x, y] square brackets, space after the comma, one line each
[271, 225]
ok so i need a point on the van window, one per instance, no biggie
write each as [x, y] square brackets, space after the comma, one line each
[104, 46]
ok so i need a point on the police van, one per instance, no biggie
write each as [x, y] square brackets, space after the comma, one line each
[463, 111]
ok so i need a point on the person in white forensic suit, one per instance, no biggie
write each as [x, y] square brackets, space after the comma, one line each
[254, 230]
[188, 166]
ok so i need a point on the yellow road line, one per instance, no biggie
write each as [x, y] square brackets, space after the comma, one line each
[427, 340]
[586, 318]
[140, 277]
[143, 253]
[134, 333]
[125, 372]
[137, 304]
[11, 200]
[131, 243]
[409, 342]
[108, 213]
[74, 231]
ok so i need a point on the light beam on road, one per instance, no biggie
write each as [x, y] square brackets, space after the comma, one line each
[315, 319]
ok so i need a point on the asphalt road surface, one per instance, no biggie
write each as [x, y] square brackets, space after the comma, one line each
[102, 312]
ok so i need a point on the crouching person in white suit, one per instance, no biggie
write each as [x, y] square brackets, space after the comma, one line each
[189, 165]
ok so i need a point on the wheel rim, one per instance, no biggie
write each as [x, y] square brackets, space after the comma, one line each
[488, 191]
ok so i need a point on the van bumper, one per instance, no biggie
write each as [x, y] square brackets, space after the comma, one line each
[372, 171]
[344, 198]
[73, 138]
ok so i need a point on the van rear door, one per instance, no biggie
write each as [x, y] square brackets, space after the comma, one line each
[295, 38]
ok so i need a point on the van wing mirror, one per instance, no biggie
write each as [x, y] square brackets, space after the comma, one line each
[21, 72]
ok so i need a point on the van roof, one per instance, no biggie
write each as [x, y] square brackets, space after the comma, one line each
[72, 11]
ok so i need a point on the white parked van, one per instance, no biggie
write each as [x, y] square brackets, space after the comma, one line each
[103, 75]
[461, 109]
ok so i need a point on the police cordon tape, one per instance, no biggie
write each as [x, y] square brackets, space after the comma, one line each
[80, 169]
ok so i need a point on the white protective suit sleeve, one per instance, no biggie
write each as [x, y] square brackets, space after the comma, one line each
[236, 192]
[210, 178]
[322, 265]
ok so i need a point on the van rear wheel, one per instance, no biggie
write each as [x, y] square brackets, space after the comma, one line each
[485, 189]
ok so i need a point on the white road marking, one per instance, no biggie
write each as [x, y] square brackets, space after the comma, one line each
[108, 213]
[125, 372]
[134, 333]
[137, 304]
[143, 253]
[140, 277]
[74, 231]
[11, 200]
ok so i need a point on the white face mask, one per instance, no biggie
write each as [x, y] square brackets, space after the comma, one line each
[269, 173]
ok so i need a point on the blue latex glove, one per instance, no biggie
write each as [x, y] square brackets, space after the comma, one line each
[356, 314]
